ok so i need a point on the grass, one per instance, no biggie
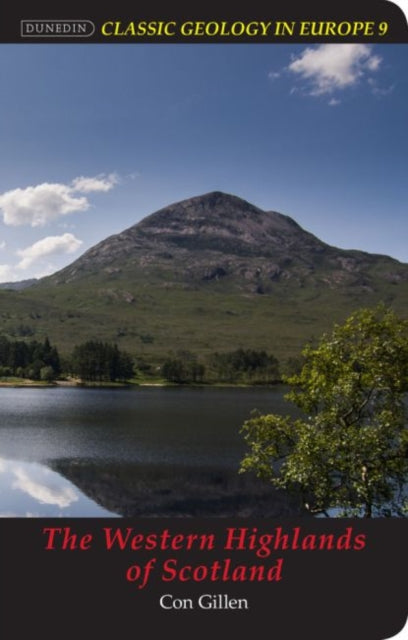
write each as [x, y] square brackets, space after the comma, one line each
[162, 319]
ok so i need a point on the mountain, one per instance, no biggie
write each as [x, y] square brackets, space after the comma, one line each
[17, 286]
[210, 273]
[219, 236]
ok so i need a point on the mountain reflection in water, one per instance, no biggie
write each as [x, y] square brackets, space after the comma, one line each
[132, 452]
[166, 491]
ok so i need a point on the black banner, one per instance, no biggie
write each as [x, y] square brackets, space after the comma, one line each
[320, 578]
[377, 21]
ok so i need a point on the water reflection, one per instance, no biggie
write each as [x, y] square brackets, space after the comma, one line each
[46, 489]
[31, 489]
[131, 452]
[133, 490]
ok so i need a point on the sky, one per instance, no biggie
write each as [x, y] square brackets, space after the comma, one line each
[95, 137]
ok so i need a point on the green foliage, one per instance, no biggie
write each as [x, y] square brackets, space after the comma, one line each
[22, 330]
[183, 369]
[245, 365]
[27, 359]
[292, 366]
[350, 451]
[47, 374]
[100, 361]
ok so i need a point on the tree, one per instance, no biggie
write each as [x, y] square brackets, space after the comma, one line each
[246, 365]
[174, 370]
[47, 374]
[183, 369]
[100, 361]
[347, 454]
[28, 358]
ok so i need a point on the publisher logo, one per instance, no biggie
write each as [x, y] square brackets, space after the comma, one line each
[57, 28]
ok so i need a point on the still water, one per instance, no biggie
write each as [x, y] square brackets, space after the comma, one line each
[143, 451]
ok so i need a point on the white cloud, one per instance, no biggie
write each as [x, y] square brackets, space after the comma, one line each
[44, 492]
[333, 102]
[274, 75]
[6, 273]
[40, 204]
[52, 245]
[134, 175]
[3, 244]
[382, 91]
[373, 63]
[330, 67]
[98, 183]
[378, 90]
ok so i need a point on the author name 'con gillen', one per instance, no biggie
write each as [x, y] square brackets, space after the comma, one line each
[208, 601]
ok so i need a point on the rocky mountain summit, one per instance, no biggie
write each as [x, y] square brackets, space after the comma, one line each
[218, 236]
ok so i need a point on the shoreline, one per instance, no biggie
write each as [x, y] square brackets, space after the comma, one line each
[35, 384]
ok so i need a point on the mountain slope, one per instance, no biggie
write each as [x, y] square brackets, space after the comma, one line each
[209, 273]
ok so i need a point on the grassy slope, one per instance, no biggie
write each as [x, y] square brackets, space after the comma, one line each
[204, 319]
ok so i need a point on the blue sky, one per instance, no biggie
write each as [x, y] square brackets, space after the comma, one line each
[95, 137]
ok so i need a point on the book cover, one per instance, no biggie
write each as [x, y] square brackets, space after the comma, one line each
[203, 320]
